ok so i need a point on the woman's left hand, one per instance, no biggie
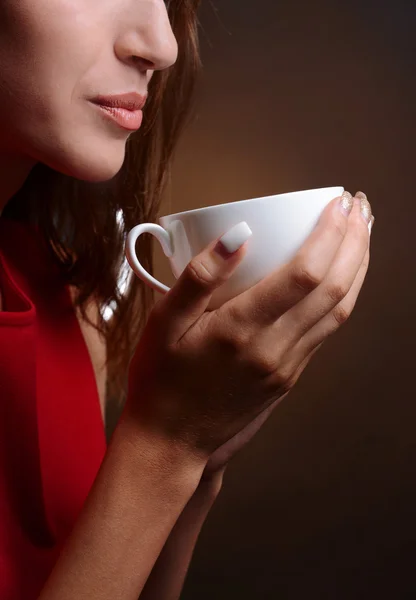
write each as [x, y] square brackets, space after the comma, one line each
[218, 461]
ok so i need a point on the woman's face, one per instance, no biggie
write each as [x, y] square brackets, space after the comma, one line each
[55, 55]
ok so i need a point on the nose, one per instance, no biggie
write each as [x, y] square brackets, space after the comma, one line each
[149, 38]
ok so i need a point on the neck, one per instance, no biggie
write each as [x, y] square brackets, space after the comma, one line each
[14, 171]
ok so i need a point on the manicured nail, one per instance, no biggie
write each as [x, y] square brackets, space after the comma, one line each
[371, 223]
[346, 203]
[365, 206]
[361, 196]
[366, 210]
[234, 238]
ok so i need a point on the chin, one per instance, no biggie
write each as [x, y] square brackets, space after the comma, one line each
[84, 155]
[94, 166]
[93, 169]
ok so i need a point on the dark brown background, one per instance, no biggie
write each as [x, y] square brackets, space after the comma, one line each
[296, 95]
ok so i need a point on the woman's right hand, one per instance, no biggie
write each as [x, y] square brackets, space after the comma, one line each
[201, 376]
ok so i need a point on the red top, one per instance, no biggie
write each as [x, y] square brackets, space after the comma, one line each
[52, 438]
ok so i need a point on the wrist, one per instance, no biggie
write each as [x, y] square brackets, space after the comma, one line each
[166, 460]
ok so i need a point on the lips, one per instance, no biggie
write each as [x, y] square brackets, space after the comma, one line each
[131, 101]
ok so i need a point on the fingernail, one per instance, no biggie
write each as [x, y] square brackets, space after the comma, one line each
[366, 210]
[371, 223]
[346, 203]
[234, 238]
[361, 196]
[365, 206]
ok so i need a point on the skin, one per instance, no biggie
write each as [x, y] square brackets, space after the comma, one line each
[257, 343]
[54, 55]
[46, 116]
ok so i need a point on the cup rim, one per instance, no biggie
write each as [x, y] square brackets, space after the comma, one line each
[215, 206]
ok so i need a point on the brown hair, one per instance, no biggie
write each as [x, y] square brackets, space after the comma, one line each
[79, 219]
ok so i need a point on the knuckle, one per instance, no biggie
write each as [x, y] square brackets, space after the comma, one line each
[236, 315]
[305, 277]
[234, 340]
[199, 272]
[263, 365]
[284, 380]
[341, 313]
[336, 291]
[261, 361]
[239, 340]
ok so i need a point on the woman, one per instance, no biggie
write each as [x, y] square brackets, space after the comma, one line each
[80, 518]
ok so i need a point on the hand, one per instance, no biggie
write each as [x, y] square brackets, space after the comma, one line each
[202, 378]
[218, 461]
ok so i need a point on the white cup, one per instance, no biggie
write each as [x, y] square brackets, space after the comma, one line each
[280, 224]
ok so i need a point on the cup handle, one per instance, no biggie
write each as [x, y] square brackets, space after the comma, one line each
[166, 242]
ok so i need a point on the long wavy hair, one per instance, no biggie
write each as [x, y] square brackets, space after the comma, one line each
[85, 224]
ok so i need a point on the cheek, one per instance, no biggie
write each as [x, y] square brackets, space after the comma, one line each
[45, 52]
[48, 61]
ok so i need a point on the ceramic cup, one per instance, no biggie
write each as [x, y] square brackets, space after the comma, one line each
[280, 224]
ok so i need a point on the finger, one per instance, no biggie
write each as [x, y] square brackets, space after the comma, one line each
[296, 373]
[305, 362]
[339, 315]
[335, 286]
[275, 294]
[190, 296]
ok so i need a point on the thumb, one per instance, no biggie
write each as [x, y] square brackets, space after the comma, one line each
[190, 296]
